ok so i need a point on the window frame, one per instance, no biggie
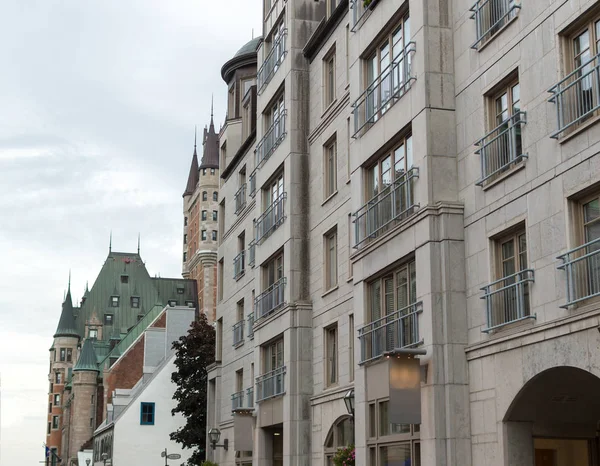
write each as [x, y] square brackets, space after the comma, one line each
[149, 412]
[204, 215]
[136, 301]
[114, 301]
[204, 195]
[410, 266]
[109, 319]
[203, 235]
[329, 77]
[55, 422]
[330, 243]
[214, 236]
[273, 355]
[331, 345]
[56, 399]
[69, 354]
[95, 335]
[330, 164]
[215, 195]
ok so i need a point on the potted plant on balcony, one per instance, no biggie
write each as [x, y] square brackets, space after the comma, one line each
[345, 456]
[366, 3]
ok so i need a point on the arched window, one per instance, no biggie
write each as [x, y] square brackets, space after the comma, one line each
[340, 435]
[204, 196]
[215, 196]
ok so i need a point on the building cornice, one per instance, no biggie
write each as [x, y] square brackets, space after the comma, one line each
[324, 31]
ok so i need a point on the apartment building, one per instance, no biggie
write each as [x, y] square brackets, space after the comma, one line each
[425, 199]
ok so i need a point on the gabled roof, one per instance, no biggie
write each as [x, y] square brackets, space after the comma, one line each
[193, 177]
[66, 324]
[87, 359]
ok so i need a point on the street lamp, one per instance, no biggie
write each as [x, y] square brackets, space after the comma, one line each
[214, 435]
[349, 401]
[104, 457]
[88, 461]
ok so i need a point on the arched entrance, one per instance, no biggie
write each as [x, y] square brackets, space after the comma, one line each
[340, 435]
[554, 420]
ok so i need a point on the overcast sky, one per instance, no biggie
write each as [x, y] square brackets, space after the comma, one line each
[98, 102]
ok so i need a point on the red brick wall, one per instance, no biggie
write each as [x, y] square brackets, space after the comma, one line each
[161, 322]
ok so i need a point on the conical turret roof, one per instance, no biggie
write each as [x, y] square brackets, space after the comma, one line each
[66, 324]
[87, 359]
[193, 177]
[210, 157]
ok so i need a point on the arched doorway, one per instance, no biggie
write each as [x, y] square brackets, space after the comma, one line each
[554, 420]
[341, 434]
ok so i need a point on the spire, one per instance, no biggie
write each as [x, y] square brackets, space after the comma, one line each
[66, 324]
[210, 156]
[193, 177]
[87, 358]
[110, 243]
[138, 244]
[69, 286]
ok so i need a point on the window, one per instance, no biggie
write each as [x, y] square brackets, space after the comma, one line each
[59, 378]
[331, 268]
[351, 345]
[63, 354]
[69, 354]
[203, 237]
[220, 280]
[215, 196]
[223, 155]
[212, 171]
[93, 333]
[350, 231]
[124, 279]
[92, 400]
[172, 302]
[140, 317]
[341, 434]
[49, 408]
[215, 215]
[219, 340]
[185, 238]
[204, 172]
[49, 428]
[55, 422]
[147, 414]
[114, 301]
[108, 319]
[231, 107]
[185, 257]
[273, 356]
[330, 163]
[273, 270]
[180, 289]
[329, 77]
[490, 16]
[185, 221]
[204, 196]
[189, 303]
[331, 348]
[331, 6]
[204, 216]
[56, 400]
[214, 235]
[135, 302]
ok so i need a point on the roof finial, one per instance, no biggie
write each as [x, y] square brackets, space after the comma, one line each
[195, 134]
[252, 33]
[110, 243]
[138, 244]
[212, 101]
[69, 286]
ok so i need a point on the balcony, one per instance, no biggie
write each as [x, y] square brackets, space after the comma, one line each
[582, 266]
[272, 138]
[272, 62]
[251, 325]
[271, 299]
[239, 265]
[270, 385]
[271, 218]
[490, 16]
[252, 253]
[252, 182]
[360, 13]
[240, 199]
[400, 329]
[385, 90]
[507, 300]
[238, 333]
[577, 97]
[393, 204]
[237, 400]
[250, 397]
[501, 148]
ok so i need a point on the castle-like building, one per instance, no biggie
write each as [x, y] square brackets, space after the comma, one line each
[91, 337]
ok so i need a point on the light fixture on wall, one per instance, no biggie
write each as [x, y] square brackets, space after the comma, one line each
[214, 435]
[349, 401]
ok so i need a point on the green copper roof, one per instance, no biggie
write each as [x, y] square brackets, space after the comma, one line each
[66, 324]
[87, 359]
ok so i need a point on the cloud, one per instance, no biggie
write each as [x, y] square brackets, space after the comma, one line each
[99, 101]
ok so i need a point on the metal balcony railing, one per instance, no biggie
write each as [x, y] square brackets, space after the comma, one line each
[252, 253]
[394, 203]
[272, 62]
[240, 199]
[577, 96]
[501, 147]
[272, 138]
[237, 400]
[251, 325]
[250, 397]
[271, 218]
[270, 384]
[393, 82]
[239, 265]
[507, 300]
[252, 182]
[360, 13]
[490, 16]
[238, 333]
[400, 329]
[271, 299]
[582, 266]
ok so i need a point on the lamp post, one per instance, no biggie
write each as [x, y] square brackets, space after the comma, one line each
[104, 457]
[214, 435]
[349, 402]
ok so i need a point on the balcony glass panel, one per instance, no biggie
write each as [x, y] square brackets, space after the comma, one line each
[507, 299]
[385, 90]
[271, 299]
[250, 397]
[272, 138]
[270, 220]
[240, 199]
[251, 325]
[577, 96]
[238, 333]
[394, 203]
[237, 400]
[272, 61]
[270, 385]
[582, 266]
[239, 265]
[399, 329]
[360, 13]
[252, 181]
[501, 148]
[490, 16]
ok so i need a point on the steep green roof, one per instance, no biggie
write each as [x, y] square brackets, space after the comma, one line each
[87, 359]
[66, 324]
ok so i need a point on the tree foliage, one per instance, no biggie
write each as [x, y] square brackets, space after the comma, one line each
[194, 353]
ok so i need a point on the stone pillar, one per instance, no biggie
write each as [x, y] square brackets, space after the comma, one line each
[85, 384]
[518, 444]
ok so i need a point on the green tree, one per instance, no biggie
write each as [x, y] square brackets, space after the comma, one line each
[194, 353]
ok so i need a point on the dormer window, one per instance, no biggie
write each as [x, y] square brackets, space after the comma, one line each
[180, 290]
[189, 303]
[108, 319]
[135, 302]
[172, 302]
[93, 333]
[114, 301]
[124, 279]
